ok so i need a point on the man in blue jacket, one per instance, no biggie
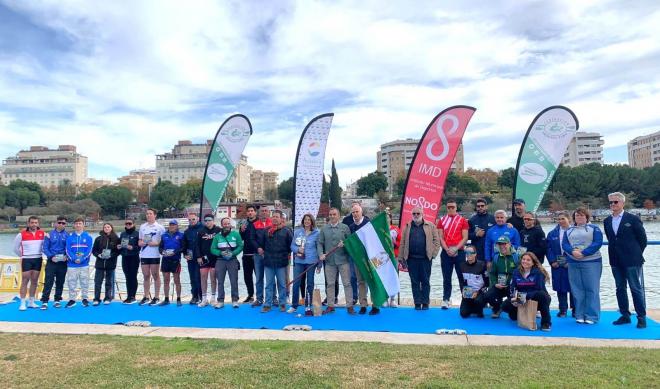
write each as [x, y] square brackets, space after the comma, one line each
[78, 250]
[501, 228]
[55, 250]
[627, 241]
[480, 223]
[171, 246]
[189, 244]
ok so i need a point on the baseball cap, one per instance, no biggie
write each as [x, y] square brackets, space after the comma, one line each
[173, 221]
[503, 239]
[518, 201]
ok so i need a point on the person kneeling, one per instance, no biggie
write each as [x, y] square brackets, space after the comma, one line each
[473, 285]
[528, 283]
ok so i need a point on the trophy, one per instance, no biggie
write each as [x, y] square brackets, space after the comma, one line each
[105, 254]
[467, 292]
[124, 243]
[300, 242]
[561, 261]
[501, 279]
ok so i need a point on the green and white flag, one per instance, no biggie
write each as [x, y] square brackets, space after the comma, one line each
[372, 251]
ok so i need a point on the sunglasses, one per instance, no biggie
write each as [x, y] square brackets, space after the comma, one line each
[62, 223]
[416, 213]
[451, 206]
[481, 205]
[208, 220]
[614, 202]
[470, 253]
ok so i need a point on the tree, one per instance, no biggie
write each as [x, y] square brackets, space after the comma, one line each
[21, 198]
[228, 196]
[335, 189]
[166, 195]
[113, 200]
[400, 186]
[371, 184]
[325, 191]
[507, 178]
[8, 213]
[285, 190]
[31, 186]
[193, 190]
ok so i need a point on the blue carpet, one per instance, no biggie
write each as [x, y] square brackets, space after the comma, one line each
[402, 319]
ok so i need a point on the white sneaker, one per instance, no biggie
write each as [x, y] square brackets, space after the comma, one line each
[203, 303]
[218, 305]
[291, 310]
[587, 321]
[393, 303]
[235, 304]
[445, 304]
[22, 307]
[31, 304]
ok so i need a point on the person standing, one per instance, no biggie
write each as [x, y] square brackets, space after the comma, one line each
[395, 235]
[559, 264]
[261, 227]
[532, 237]
[627, 241]
[336, 263]
[171, 247]
[359, 221]
[55, 251]
[582, 244]
[106, 253]
[130, 258]
[206, 259]
[303, 249]
[479, 223]
[249, 235]
[189, 246]
[226, 246]
[453, 234]
[150, 235]
[277, 248]
[79, 246]
[516, 219]
[28, 245]
[420, 243]
[501, 228]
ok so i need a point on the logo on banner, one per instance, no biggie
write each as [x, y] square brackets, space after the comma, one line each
[420, 202]
[235, 134]
[217, 172]
[443, 137]
[555, 128]
[314, 149]
[533, 173]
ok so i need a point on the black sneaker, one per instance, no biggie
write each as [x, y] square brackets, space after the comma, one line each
[44, 305]
[374, 311]
[129, 301]
[641, 322]
[144, 301]
[363, 310]
[425, 307]
[622, 320]
[418, 307]
[71, 303]
[194, 301]
[85, 303]
[57, 304]
[96, 303]
[546, 327]
[164, 302]
[324, 302]
[249, 299]
[561, 314]
[178, 302]
[154, 301]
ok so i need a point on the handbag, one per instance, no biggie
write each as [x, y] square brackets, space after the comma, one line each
[527, 315]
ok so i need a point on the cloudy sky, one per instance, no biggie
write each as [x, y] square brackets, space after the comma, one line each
[124, 80]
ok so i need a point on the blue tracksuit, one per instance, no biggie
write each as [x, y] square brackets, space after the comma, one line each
[55, 243]
[79, 247]
[174, 242]
[493, 234]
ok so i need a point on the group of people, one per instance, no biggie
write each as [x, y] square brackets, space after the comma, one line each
[502, 265]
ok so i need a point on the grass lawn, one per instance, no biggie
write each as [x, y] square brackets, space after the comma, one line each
[48, 361]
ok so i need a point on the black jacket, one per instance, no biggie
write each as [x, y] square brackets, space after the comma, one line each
[102, 242]
[204, 239]
[534, 240]
[484, 222]
[517, 222]
[626, 248]
[190, 238]
[277, 247]
[249, 237]
[132, 235]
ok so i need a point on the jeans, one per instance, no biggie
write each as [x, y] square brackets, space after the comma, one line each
[259, 275]
[130, 265]
[634, 277]
[195, 279]
[585, 287]
[75, 274]
[309, 276]
[273, 273]
[55, 273]
[99, 276]
[419, 271]
[248, 273]
[448, 264]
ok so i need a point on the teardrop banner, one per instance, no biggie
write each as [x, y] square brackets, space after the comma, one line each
[542, 150]
[224, 155]
[308, 170]
[430, 166]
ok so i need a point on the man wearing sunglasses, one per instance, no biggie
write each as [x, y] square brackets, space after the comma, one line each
[627, 241]
[130, 258]
[479, 223]
[420, 243]
[453, 233]
[55, 251]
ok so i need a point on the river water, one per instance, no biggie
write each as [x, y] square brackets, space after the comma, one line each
[607, 294]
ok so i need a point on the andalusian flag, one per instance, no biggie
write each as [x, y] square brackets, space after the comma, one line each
[371, 249]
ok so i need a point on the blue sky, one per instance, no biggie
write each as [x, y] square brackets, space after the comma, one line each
[124, 80]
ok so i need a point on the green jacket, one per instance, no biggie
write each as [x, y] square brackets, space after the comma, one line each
[329, 237]
[231, 242]
[502, 264]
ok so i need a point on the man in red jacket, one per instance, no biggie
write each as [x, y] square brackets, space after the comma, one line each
[29, 246]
